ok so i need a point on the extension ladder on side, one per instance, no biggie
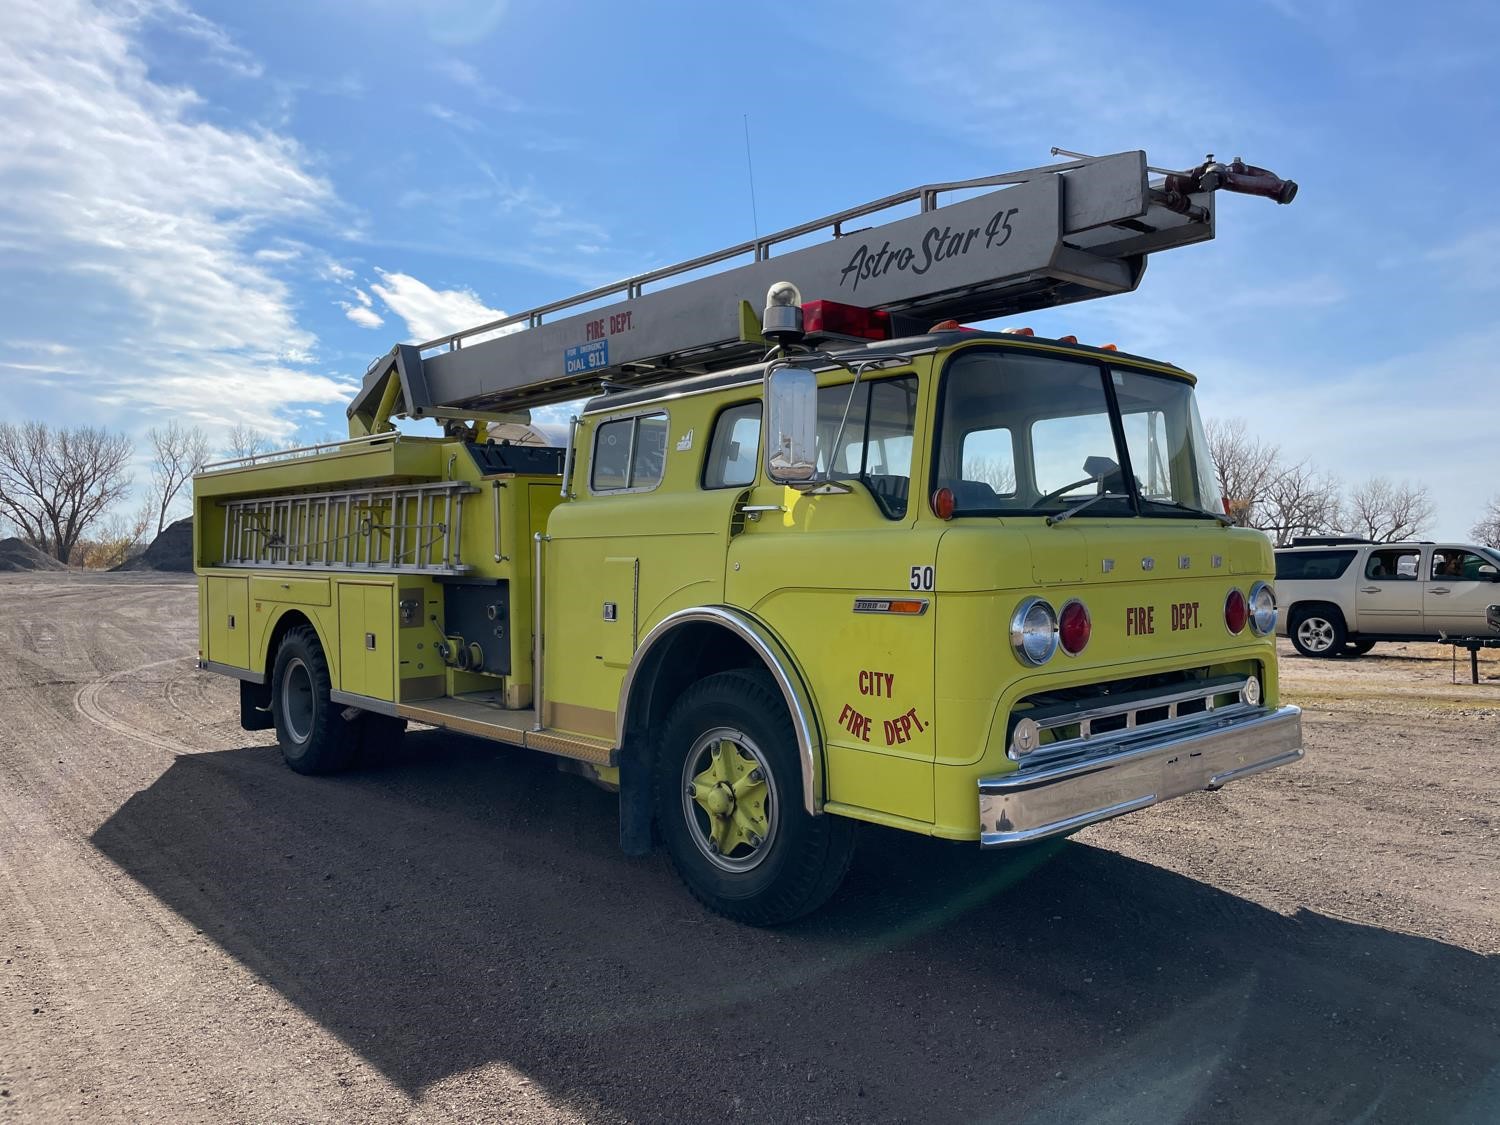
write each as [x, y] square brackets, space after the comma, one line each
[404, 529]
[1046, 236]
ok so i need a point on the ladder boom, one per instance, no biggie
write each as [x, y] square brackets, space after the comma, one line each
[1042, 237]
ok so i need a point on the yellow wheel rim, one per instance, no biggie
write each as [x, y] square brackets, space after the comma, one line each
[728, 800]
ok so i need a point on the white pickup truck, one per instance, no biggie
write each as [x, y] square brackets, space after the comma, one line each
[1339, 597]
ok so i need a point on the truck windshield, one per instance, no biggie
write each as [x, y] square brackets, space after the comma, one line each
[1028, 434]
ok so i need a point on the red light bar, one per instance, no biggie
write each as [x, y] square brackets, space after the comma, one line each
[830, 318]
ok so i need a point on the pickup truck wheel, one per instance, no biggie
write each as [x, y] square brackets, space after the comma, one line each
[1316, 632]
[729, 805]
[310, 727]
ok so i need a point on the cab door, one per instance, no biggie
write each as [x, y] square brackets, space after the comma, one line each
[1390, 592]
[1460, 587]
[845, 576]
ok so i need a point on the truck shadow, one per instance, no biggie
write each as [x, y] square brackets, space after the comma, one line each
[470, 907]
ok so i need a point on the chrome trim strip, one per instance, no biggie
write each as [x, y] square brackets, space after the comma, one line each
[536, 631]
[567, 470]
[760, 638]
[364, 702]
[1130, 708]
[230, 670]
[883, 605]
[1139, 769]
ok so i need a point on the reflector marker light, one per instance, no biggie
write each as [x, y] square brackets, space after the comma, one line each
[910, 607]
[943, 503]
[1236, 613]
[1017, 332]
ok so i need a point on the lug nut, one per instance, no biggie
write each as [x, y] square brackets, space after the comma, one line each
[756, 841]
[757, 774]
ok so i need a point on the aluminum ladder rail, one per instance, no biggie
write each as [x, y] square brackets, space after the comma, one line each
[1015, 242]
[401, 529]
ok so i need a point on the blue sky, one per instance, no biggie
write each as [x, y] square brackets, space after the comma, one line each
[221, 212]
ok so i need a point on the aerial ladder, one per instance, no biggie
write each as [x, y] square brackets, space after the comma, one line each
[975, 249]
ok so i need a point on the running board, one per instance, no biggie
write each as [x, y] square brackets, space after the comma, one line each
[481, 715]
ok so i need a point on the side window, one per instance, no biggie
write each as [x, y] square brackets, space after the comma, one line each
[1457, 566]
[989, 458]
[1312, 565]
[876, 445]
[734, 450]
[630, 453]
[1396, 564]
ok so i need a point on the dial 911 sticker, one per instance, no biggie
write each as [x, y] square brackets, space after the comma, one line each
[923, 577]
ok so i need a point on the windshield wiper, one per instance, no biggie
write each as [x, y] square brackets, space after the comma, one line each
[1059, 517]
[1181, 507]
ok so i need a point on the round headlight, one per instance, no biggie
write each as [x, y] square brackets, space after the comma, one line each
[1262, 608]
[1033, 631]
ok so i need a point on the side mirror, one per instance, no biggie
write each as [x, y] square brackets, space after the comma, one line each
[1489, 574]
[791, 425]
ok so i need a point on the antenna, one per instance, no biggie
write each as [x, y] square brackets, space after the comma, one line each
[754, 218]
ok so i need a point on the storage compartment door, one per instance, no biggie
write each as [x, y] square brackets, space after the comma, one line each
[228, 628]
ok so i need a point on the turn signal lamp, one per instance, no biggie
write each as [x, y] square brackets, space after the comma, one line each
[1033, 632]
[943, 503]
[1109, 347]
[1017, 332]
[1235, 612]
[1067, 339]
[830, 318]
[1074, 627]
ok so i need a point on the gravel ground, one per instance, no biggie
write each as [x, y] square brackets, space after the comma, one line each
[189, 931]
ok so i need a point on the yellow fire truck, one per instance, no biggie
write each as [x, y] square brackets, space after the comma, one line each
[838, 560]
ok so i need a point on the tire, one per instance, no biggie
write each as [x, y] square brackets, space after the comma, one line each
[1317, 633]
[745, 847]
[1353, 649]
[315, 738]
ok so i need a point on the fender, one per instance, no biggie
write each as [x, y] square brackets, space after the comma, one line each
[778, 662]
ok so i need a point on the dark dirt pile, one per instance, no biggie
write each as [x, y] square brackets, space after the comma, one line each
[171, 550]
[17, 554]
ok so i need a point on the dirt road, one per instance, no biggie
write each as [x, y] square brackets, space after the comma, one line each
[189, 931]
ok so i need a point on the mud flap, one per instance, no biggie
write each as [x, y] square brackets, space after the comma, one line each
[255, 706]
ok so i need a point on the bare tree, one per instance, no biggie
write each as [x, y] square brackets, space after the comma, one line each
[178, 453]
[1387, 512]
[247, 441]
[55, 483]
[116, 538]
[1298, 500]
[1487, 530]
[1243, 465]
[992, 471]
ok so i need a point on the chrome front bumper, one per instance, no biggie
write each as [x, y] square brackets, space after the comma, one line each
[1134, 769]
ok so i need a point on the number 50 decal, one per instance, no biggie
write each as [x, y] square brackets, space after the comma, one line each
[923, 577]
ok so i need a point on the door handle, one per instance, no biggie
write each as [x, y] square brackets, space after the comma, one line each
[1440, 590]
[1369, 589]
[762, 507]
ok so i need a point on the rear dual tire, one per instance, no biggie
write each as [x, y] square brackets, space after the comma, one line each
[314, 735]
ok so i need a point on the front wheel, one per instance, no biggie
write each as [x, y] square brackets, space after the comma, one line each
[1316, 632]
[729, 804]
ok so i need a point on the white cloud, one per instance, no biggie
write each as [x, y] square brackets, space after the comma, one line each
[430, 313]
[365, 318]
[111, 183]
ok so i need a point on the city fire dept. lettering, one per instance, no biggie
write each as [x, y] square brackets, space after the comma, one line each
[877, 683]
[1184, 616]
[1140, 620]
[855, 723]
